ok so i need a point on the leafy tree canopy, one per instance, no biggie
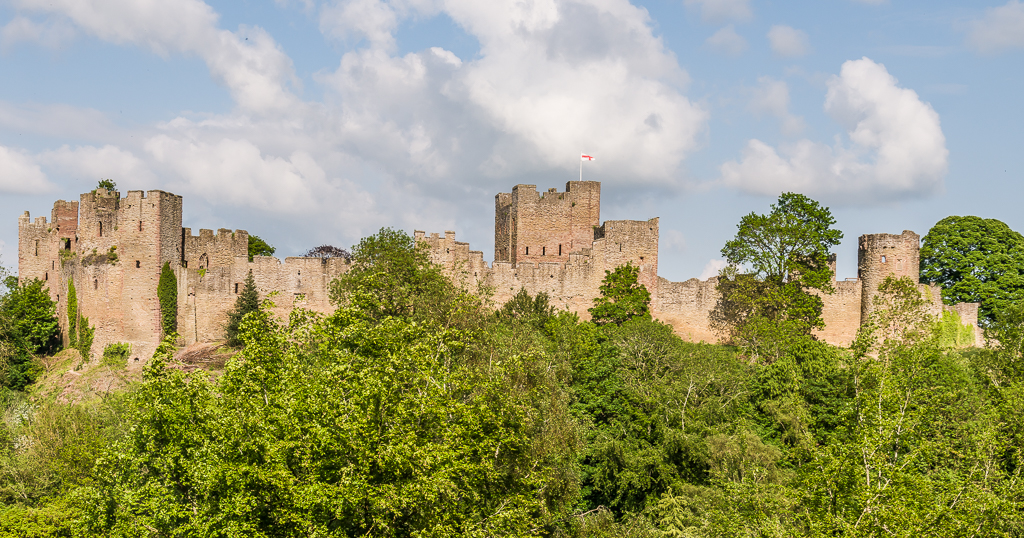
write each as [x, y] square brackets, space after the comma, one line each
[786, 252]
[28, 326]
[167, 293]
[392, 276]
[793, 241]
[248, 301]
[975, 260]
[259, 247]
[107, 184]
[622, 298]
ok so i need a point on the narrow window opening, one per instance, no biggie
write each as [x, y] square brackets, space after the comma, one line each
[95, 284]
[527, 251]
[37, 247]
[53, 265]
[620, 247]
[559, 250]
[46, 276]
[641, 258]
[140, 225]
[101, 229]
[543, 251]
[236, 288]
[883, 259]
[67, 244]
[138, 264]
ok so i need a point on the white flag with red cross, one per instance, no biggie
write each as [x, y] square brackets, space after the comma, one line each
[585, 157]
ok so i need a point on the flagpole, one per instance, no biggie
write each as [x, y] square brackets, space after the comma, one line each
[581, 166]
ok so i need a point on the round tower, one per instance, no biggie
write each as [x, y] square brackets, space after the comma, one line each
[881, 255]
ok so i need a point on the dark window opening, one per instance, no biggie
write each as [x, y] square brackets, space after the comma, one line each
[559, 250]
[46, 276]
[140, 225]
[527, 251]
[101, 229]
[67, 244]
[641, 258]
[53, 265]
[37, 247]
[138, 264]
[543, 251]
[236, 288]
[95, 284]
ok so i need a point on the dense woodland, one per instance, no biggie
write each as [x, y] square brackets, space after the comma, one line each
[417, 409]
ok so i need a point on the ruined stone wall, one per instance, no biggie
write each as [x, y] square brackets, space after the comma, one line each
[465, 267]
[503, 227]
[687, 306]
[546, 227]
[618, 242]
[882, 255]
[214, 271]
[841, 312]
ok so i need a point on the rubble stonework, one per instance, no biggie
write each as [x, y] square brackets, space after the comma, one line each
[116, 288]
[113, 248]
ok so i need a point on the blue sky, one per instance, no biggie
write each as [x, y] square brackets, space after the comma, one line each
[311, 122]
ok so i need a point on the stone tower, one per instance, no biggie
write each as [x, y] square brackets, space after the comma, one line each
[881, 255]
[545, 227]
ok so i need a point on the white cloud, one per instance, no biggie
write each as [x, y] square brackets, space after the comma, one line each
[713, 268]
[51, 34]
[21, 174]
[1000, 29]
[552, 78]
[718, 11]
[771, 97]
[374, 20]
[93, 163]
[788, 41]
[672, 240]
[396, 139]
[896, 150]
[248, 62]
[727, 41]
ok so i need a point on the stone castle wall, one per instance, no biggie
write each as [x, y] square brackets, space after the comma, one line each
[545, 227]
[143, 230]
[570, 252]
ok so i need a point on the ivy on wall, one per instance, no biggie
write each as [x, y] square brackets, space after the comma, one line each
[167, 292]
[72, 314]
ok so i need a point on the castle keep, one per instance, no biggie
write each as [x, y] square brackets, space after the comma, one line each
[112, 249]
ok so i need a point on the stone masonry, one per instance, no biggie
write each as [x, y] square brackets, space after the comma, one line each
[144, 231]
[113, 249]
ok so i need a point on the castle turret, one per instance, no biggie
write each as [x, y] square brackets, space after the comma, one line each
[881, 255]
[545, 227]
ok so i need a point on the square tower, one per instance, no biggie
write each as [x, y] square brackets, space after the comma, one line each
[545, 227]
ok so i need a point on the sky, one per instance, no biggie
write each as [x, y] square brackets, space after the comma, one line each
[310, 123]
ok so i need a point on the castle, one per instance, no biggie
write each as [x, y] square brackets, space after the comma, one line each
[112, 249]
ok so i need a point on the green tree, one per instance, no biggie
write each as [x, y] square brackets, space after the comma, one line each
[259, 247]
[337, 426]
[28, 326]
[248, 301]
[107, 184]
[392, 276]
[622, 298]
[975, 260]
[72, 314]
[167, 293]
[521, 306]
[785, 254]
